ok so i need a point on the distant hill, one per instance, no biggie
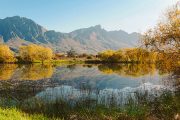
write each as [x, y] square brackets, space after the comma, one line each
[16, 31]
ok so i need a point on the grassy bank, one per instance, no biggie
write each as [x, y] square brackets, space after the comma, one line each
[163, 107]
[15, 114]
[58, 61]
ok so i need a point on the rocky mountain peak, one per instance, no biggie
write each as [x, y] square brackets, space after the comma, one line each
[16, 31]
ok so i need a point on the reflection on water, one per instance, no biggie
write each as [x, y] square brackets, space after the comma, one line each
[132, 70]
[25, 72]
[38, 71]
[105, 96]
[35, 72]
[42, 88]
[115, 76]
[6, 71]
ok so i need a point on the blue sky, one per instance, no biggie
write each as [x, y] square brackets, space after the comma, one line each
[68, 15]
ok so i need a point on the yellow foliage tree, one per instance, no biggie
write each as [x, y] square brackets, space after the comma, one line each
[44, 53]
[165, 36]
[6, 55]
[128, 55]
[164, 40]
[32, 53]
[106, 55]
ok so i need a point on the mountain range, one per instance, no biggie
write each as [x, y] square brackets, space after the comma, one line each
[17, 31]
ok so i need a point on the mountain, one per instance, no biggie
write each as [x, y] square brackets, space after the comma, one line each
[16, 31]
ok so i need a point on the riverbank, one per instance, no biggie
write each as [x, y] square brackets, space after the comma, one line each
[77, 61]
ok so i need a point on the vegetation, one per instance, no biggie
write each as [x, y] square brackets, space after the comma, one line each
[160, 44]
[128, 55]
[165, 37]
[15, 114]
[6, 55]
[71, 53]
[32, 53]
[165, 106]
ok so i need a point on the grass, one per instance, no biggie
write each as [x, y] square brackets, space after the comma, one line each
[165, 106]
[15, 114]
[68, 61]
[54, 62]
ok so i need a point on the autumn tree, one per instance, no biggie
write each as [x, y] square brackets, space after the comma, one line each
[106, 55]
[117, 56]
[128, 55]
[28, 53]
[165, 36]
[32, 53]
[44, 53]
[6, 55]
[139, 55]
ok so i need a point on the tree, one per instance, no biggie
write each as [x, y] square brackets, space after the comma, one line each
[44, 53]
[106, 55]
[117, 56]
[165, 37]
[71, 53]
[128, 55]
[6, 55]
[28, 53]
[32, 53]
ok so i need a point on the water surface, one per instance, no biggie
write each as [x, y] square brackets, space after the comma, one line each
[105, 84]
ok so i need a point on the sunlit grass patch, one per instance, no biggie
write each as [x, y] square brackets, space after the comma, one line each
[15, 114]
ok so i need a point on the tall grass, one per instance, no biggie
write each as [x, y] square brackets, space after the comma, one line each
[165, 106]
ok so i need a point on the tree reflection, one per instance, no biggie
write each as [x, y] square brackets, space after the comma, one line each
[36, 72]
[128, 70]
[7, 71]
[167, 66]
[136, 70]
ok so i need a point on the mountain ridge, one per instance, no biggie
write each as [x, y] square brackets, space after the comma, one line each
[16, 31]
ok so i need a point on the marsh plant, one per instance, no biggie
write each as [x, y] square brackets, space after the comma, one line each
[65, 102]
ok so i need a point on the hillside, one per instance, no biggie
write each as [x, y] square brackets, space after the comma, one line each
[16, 31]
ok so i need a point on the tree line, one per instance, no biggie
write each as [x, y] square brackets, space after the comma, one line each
[128, 55]
[29, 53]
[161, 43]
